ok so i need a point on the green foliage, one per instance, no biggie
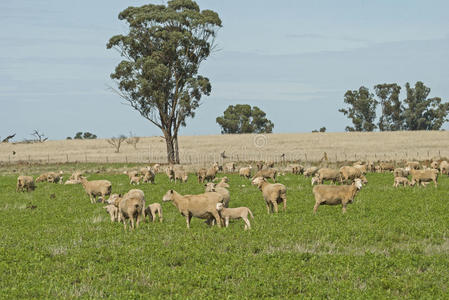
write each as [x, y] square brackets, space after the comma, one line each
[392, 118]
[86, 135]
[392, 243]
[362, 109]
[421, 112]
[242, 118]
[162, 53]
[78, 135]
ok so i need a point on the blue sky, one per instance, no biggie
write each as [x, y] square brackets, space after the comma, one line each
[293, 59]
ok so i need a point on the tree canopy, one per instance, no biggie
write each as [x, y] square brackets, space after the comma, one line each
[361, 110]
[162, 53]
[242, 118]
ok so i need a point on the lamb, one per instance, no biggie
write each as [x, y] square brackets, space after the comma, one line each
[266, 173]
[223, 183]
[401, 172]
[272, 193]
[170, 173]
[201, 175]
[211, 173]
[310, 171]
[444, 167]
[348, 174]
[212, 187]
[151, 211]
[75, 178]
[434, 165]
[135, 180]
[149, 176]
[335, 194]
[25, 182]
[131, 207]
[112, 210]
[422, 176]
[326, 174]
[245, 172]
[413, 165]
[202, 206]
[297, 169]
[181, 175]
[131, 174]
[156, 168]
[235, 213]
[401, 180]
[96, 188]
[230, 167]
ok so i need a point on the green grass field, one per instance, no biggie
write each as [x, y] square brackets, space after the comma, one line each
[392, 243]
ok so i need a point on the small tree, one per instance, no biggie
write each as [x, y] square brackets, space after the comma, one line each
[116, 142]
[362, 110]
[242, 118]
[89, 136]
[39, 136]
[78, 136]
[133, 140]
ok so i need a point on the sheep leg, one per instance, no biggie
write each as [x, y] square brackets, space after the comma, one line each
[217, 218]
[268, 208]
[153, 216]
[344, 207]
[275, 206]
[315, 207]
[227, 221]
[188, 217]
[247, 223]
[160, 216]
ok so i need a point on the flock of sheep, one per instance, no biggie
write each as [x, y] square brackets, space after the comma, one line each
[213, 204]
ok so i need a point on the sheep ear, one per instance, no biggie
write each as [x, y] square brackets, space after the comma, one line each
[171, 191]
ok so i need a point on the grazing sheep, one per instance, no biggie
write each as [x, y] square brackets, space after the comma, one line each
[112, 210]
[223, 183]
[96, 188]
[362, 168]
[444, 167]
[235, 213]
[50, 177]
[211, 187]
[335, 194]
[259, 165]
[349, 174]
[76, 176]
[297, 169]
[327, 174]
[401, 181]
[413, 165]
[201, 206]
[156, 168]
[201, 174]
[170, 173]
[310, 171]
[25, 182]
[211, 172]
[401, 172]
[135, 180]
[230, 167]
[245, 172]
[272, 193]
[181, 175]
[269, 164]
[434, 165]
[72, 181]
[131, 174]
[151, 211]
[266, 173]
[422, 176]
[385, 166]
[149, 176]
[131, 208]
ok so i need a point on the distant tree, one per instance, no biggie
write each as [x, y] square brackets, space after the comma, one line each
[68, 138]
[133, 140]
[89, 136]
[162, 53]
[392, 118]
[323, 129]
[241, 118]
[78, 136]
[39, 136]
[362, 109]
[116, 142]
[422, 113]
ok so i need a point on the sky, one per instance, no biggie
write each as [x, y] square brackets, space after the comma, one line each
[293, 59]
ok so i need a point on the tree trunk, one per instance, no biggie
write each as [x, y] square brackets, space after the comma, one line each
[175, 144]
[170, 148]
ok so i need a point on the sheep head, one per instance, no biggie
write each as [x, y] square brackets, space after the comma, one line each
[358, 183]
[210, 187]
[315, 180]
[169, 196]
[219, 206]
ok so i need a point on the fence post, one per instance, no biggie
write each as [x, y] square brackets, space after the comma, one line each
[85, 157]
[107, 159]
[67, 157]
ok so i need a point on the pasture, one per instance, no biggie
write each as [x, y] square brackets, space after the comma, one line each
[392, 243]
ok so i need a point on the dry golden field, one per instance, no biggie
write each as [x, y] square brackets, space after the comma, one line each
[198, 150]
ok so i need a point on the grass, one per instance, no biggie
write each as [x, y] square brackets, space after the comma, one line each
[392, 243]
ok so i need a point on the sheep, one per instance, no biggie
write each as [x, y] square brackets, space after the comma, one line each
[326, 174]
[211, 187]
[401, 172]
[170, 173]
[70, 181]
[310, 171]
[422, 176]
[444, 167]
[259, 165]
[223, 183]
[266, 173]
[201, 174]
[181, 175]
[434, 165]
[235, 213]
[230, 167]
[149, 176]
[297, 169]
[151, 211]
[156, 168]
[50, 177]
[201, 206]
[25, 182]
[413, 165]
[362, 168]
[245, 172]
[131, 174]
[272, 193]
[96, 188]
[112, 210]
[211, 172]
[348, 173]
[269, 164]
[75, 178]
[398, 180]
[335, 194]
[385, 166]
[131, 207]
[135, 180]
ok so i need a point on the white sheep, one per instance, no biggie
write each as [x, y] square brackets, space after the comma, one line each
[25, 182]
[131, 207]
[96, 188]
[335, 194]
[245, 172]
[272, 193]
[235, 213]
[152, 210]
